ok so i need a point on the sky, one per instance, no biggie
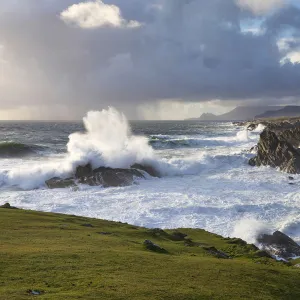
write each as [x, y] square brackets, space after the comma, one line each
[151, 59]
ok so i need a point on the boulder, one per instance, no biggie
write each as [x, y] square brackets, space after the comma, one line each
[279, 244]
[59, 183]
[108, 177]
[153, 247]
[275, 152]
[147, 168]
[84, 171]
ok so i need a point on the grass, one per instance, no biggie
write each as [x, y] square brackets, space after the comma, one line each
[56, 254]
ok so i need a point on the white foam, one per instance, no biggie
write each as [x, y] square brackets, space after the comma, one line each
[107, 142]
[259, 128]
[211, 187]
[249, 229]
[243, 135]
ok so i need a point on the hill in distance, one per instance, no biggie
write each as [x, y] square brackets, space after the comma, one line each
[287, 111]
[242, 113]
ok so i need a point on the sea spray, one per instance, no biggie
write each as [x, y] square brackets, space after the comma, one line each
[259, 128]
[242, 135]
[249, 229]
[108, 142]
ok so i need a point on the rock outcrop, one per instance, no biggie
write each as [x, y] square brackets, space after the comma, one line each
[277, 148]
[279, 244]
[60, 183]
[106, 177]
[153, 247]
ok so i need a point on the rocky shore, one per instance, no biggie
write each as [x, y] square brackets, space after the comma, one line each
[278, 146]
[103, 176]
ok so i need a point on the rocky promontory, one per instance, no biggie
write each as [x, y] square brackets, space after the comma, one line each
[278, 145]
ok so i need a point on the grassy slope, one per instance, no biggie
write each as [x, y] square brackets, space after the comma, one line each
[55, 253]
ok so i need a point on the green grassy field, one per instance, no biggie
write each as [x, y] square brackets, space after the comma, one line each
[106, 260]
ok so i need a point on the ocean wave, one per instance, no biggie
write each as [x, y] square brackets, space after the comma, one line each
[108, 142]
[14, 149]
[171, 142]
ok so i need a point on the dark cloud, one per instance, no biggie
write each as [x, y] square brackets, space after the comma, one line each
[190, 50]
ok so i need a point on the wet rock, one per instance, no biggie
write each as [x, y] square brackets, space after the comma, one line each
[279, 244]
[147, 168]
[291, 178]
[253, 149]
[59, 183]
[84, 171]
[8, 206]
[274, 152]
[153, 247]
[108, 177]
[252, 126]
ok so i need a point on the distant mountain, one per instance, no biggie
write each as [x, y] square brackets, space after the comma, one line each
[208, 117]
[287, 111]
[240, 113]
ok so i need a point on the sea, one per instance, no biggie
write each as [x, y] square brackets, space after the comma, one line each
[206, 181]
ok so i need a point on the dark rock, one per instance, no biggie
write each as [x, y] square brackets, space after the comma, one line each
[274, 152]
[253, 149]
[279, 244]
[178, 236]
[252, 126]
[291, 178]
[108, 177]
[217, 253]
[59, 183]
[147, 168]
[84, 171]
[8, 206]
[153, 247]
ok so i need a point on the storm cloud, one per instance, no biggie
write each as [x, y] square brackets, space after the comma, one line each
[128, 53]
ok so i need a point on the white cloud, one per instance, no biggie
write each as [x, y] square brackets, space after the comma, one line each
[294, 57]
[95, 14]
[261, 7]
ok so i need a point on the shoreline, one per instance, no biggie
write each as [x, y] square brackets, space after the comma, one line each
[57, 256]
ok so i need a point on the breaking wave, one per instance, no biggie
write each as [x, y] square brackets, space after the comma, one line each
[15, 149]
[109, 142]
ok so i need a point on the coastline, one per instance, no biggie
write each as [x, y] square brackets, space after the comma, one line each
[69, 257]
